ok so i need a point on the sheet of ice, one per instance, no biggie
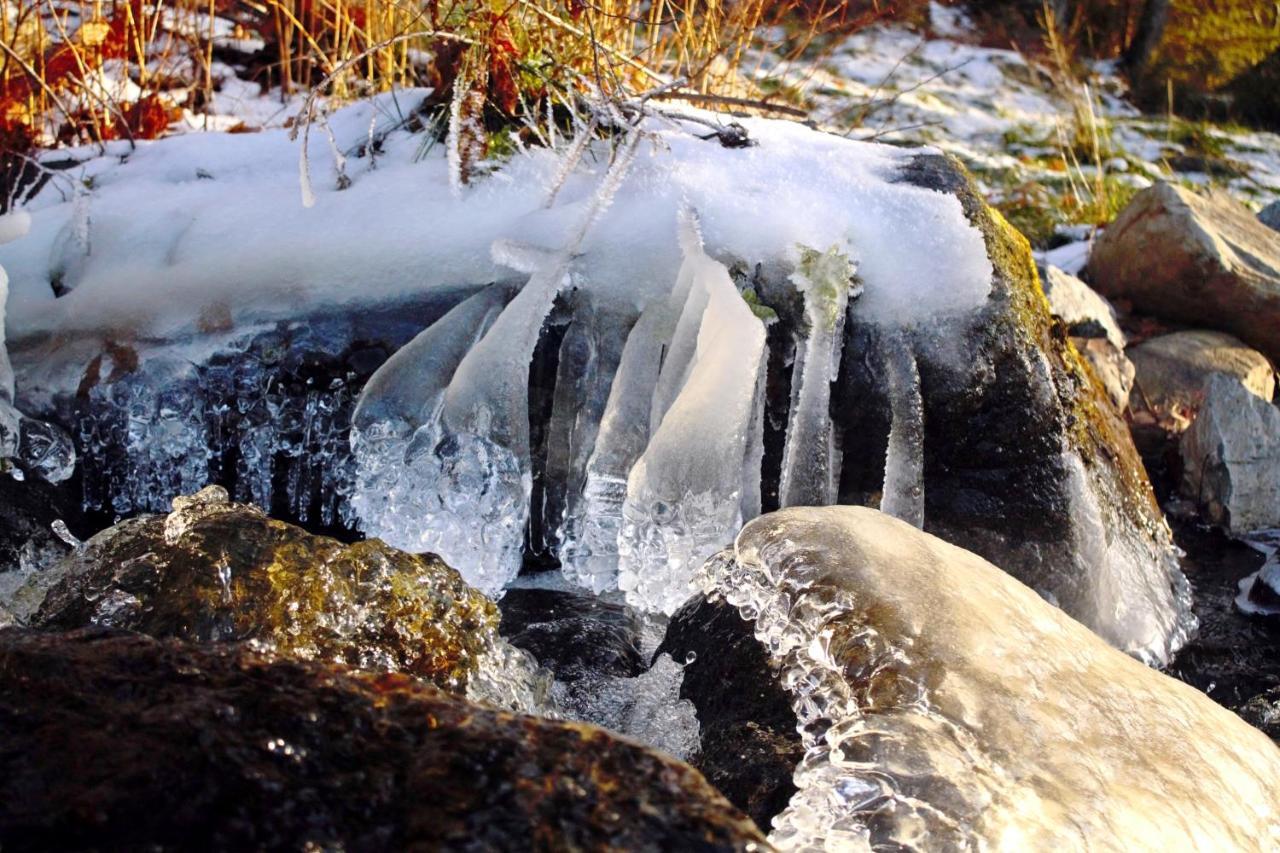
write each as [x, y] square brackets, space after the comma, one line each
[903, 492]
[808, 466]
[944, 705]
[684, 495]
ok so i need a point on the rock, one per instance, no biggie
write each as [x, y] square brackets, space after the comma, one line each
[28, 510]
[120, 741]
[1086, 314]
[1025, 460]
[216, 571]
[1270, 215]
[1231, 457]
[1260, 591]
[1111, 367]
[1172, 370]
[1203, 260]
[932, 685]
[1263, 712]
[573, 635]
[750, 746]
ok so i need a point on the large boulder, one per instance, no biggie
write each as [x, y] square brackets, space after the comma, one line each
[115, 741]
[1172, 371]
[956, 709]
[1270, 216]
[1025, 460]
[217, 571]
[1231, 457]
[1204, 260]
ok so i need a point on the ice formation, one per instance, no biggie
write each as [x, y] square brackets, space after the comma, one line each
[647, 707]
[809, 469]
[685, 493]
[928, 684]
[36, 446]
[471, 459]
[903, 494]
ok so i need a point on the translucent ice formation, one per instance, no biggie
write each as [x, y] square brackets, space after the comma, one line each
[903, 495]
[808, 470]
[470, 460]
[685, 494]
[944, 705]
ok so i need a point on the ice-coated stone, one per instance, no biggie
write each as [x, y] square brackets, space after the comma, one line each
[947, 706]
[903, 492]
[684, 495]
[1231, 457]
[217, 571]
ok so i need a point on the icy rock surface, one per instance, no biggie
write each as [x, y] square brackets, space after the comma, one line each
[685, 493]
[928, 684]
[217, 571]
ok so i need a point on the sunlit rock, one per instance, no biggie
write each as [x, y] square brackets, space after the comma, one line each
[947, 706]
[216, 571]
[120, 741]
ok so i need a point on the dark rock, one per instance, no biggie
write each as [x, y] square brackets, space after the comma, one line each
[750, 743]
[1005, 423]
[1270, 216]
[1255, 93]
[1263, 712]
[111, 741]
[28, 510]
[215, 571]
[575, 636]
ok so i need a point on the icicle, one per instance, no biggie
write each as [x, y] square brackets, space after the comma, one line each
[469, 463]
[684, 495]
[808, 467]
[903, 494]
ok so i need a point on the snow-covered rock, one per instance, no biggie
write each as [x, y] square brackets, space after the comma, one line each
[1172, 370]
[953, 708]
[575, 399]
[1231, 457]
[1204, 260]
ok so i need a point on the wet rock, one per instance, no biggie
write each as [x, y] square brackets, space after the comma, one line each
[1260, 592]
[1197, 259]
[750, 745]
[1085, 313]
[216, 571]
[1270, 216]
[28, 545]
[931, 684]
[1172, 370]
[575, 636]
[1231, 457]
[1026, 461]
[1263, 712]
[114, 741]
[1110, 366]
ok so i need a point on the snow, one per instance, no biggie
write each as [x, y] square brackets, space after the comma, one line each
[178, 226]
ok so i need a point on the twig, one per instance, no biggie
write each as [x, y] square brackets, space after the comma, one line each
[728, 100]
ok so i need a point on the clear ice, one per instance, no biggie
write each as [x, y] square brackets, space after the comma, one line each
[809, 473]
[684, 495]
[945, 706]
[470, 472]
[903, 493]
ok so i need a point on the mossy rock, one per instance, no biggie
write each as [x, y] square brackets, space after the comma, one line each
[217, 571]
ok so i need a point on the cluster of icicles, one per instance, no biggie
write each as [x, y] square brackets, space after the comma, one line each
[657, 426]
